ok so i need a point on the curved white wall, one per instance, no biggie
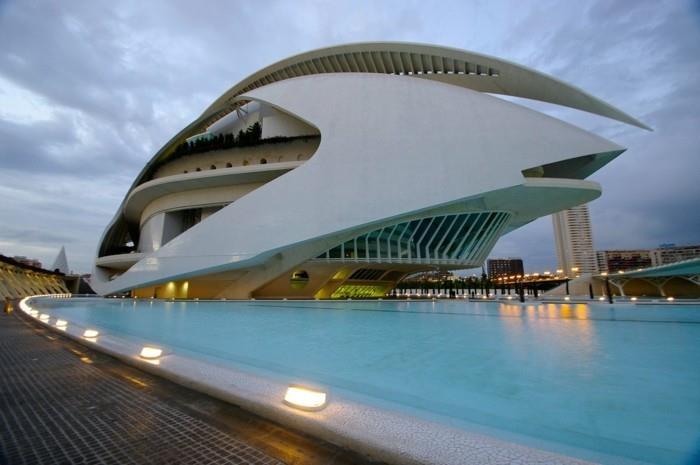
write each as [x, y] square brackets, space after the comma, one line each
[390, 145]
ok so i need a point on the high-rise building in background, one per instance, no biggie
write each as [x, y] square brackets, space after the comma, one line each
[500, 267]
[574, 241]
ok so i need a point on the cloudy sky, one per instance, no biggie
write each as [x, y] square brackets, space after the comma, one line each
[89, 90]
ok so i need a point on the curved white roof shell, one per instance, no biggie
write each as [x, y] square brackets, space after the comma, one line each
[463, 68]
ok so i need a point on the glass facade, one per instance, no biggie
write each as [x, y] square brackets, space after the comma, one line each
[459, 239]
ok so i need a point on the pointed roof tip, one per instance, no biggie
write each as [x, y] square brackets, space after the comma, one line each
[61, 262]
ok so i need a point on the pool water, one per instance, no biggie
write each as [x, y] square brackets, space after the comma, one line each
[602, 382]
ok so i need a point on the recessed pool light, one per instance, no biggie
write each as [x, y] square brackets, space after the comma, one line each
[567, 298]
[33, 313]
[670, 299]
[61, 324]
[510, 297]
[601, 298]
[44, 317]
[91, 333]
[305, 398]
[150, 353]
[633, 299]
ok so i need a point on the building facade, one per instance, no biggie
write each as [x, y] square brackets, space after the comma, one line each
[670, 253]
[337, 172]
[502, 267]
[573, 237]
[612, 261]
[623, 260]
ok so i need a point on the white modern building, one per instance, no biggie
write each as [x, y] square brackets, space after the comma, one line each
[336, 172]
[573, 237]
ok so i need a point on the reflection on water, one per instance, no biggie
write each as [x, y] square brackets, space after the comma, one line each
[565, 328]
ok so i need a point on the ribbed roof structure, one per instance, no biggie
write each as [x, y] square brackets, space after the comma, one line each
[475, 71]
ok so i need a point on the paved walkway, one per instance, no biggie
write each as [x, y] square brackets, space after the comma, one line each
[61, 403]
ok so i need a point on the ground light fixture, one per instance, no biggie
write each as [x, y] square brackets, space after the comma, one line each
[567, 298]
[44, 317]
[151, 353]
[305, 398]
[61, 324]
[90, 333]
[670, 299]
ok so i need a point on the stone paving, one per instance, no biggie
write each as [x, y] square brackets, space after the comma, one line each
[61, 403]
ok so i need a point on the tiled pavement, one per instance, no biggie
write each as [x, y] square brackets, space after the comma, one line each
[61, 403]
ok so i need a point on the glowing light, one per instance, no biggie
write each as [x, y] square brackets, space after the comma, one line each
[34, 313]
[91, 333]
[633, 299]
[601, 298]
[620, 272]
[567, 298]
[304, 398]
[150, 353]
[44, 317]
[604, 273]
[510, 297]
[61, 324]
[670, 299]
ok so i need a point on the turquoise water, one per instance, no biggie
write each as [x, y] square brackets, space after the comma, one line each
[601, 382]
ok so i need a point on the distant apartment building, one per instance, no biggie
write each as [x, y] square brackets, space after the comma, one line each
[574, 241]
[623, 260]
[670, 253]
[612, 261]
[27, 261]
[500, 267]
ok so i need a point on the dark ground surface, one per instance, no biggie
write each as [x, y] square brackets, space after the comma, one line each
[62, 403]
